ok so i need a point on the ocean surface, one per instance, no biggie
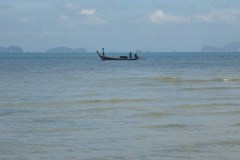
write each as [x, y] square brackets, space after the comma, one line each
[168, 106]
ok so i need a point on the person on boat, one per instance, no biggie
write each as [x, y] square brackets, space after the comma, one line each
[130, 55]
[103, 52]
[136, 56]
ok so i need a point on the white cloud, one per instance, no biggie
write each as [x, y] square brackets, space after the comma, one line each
[81, 20]
[68, 21]
[71, 6]
[93, 17]
[225, 16]
[160, 16]
[25, 20]
[88, 11]
[97, 20]
[222, 16]
[80, 16]
[64, 18]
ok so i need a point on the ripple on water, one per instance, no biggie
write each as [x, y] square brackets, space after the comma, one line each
[209, 105]
[224, 113]
[153, 115]
[236, 125]
[204, 145]
[113, 101]
[169, 79]
[167, 126]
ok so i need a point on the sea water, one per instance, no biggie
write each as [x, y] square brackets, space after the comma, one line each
[75, 106]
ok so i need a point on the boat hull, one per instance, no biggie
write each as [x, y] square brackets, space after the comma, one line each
[112, 58]
[122, 58]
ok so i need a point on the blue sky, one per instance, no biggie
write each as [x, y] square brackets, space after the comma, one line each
[119, 25]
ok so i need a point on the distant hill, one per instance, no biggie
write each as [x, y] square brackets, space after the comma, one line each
[11, 49]
[230, 47]
[66, 50]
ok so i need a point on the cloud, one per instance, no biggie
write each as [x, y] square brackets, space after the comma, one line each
[68, 21]
[77, 16]
[64, 18]
[71, 6]
[88, 11]
[224, 15]
[97, 20]
[89, 19]
[159, 16]
[25, 20]
[92, 17]
[221, 16]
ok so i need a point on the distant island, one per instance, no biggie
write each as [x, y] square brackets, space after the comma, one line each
[230, 47]
[66, 50]
[11, 49]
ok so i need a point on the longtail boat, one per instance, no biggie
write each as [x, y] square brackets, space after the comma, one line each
[103, 57]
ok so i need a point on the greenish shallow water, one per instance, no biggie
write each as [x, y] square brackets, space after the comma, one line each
[74, 106]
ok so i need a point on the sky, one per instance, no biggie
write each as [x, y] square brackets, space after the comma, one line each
[119, 25]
